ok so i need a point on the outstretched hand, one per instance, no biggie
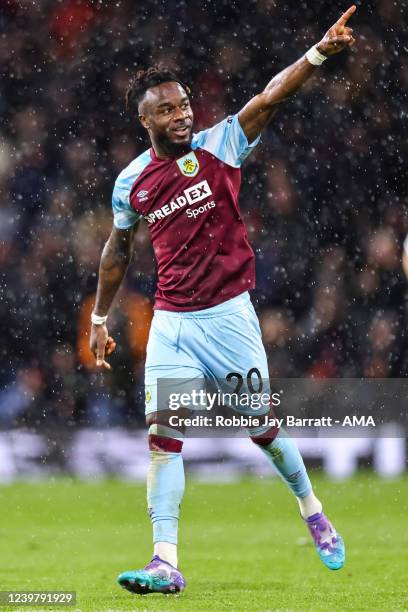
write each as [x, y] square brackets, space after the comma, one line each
[339, 36]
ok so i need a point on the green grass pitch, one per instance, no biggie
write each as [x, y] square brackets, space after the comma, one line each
[243, 546]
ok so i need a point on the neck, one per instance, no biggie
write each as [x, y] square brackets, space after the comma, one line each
[161, 153]
[165, 150]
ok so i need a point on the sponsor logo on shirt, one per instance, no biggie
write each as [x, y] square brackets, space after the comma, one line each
[189, 165]
[191, 195]
[192, 213]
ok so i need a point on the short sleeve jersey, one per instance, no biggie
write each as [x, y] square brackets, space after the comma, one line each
[191, 207]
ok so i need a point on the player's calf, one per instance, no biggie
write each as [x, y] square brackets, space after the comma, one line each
[287, 460]
[165, 488]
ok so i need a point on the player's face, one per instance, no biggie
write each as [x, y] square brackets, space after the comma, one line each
[166, 113]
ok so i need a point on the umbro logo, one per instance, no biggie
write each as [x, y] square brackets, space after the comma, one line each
[142, 195]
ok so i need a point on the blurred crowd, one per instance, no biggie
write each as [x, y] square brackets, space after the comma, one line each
[324, 196]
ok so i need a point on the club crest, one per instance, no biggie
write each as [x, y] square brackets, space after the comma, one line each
[188, 164]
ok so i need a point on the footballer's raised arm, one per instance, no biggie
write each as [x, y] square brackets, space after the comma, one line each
[259, 111]
[115, 259]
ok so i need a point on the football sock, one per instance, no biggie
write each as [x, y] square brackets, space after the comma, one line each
[287, 461]
[165, 488]
[167, 552]
[309, 505]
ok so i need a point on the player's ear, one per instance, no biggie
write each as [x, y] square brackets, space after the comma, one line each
[144, 122]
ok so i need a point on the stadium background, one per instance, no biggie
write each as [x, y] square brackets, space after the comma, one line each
[324, 199]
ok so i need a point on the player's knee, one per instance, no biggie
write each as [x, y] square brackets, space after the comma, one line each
[164, 439]
[265, 438]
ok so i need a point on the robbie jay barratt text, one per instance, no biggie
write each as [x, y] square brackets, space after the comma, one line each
[268, 421]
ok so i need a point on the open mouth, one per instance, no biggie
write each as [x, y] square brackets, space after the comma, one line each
[182, 130]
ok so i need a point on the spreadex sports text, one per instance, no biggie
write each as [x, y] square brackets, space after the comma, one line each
[191, 195]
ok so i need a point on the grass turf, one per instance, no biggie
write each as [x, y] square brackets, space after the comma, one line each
[243, 546]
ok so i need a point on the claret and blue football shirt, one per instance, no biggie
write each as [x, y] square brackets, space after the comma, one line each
[191, 208]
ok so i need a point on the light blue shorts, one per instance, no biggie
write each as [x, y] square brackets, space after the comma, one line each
[204, 344]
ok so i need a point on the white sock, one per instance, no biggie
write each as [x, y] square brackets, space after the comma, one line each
[309, 505]
[167, 552]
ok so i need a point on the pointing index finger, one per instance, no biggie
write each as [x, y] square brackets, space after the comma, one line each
[346, 16]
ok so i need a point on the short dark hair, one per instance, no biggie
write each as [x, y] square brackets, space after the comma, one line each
[144, 79]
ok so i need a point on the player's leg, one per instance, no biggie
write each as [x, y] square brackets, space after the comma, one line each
[167, 367]
[285, 457]
[165, 486]
[165, 489]
[234, 344]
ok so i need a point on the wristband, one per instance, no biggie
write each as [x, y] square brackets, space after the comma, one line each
[315, 57]
[97, 320]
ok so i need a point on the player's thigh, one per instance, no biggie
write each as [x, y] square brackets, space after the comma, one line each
[238, 364]
[170, 371]
[237, 347]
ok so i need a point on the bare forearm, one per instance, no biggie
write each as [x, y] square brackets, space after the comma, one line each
[115, 259]
[257, 113]
[260, 110]
[288, 81]
[112, 269]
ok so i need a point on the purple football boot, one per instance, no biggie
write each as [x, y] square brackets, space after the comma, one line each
[157, 577]
[329, 544]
